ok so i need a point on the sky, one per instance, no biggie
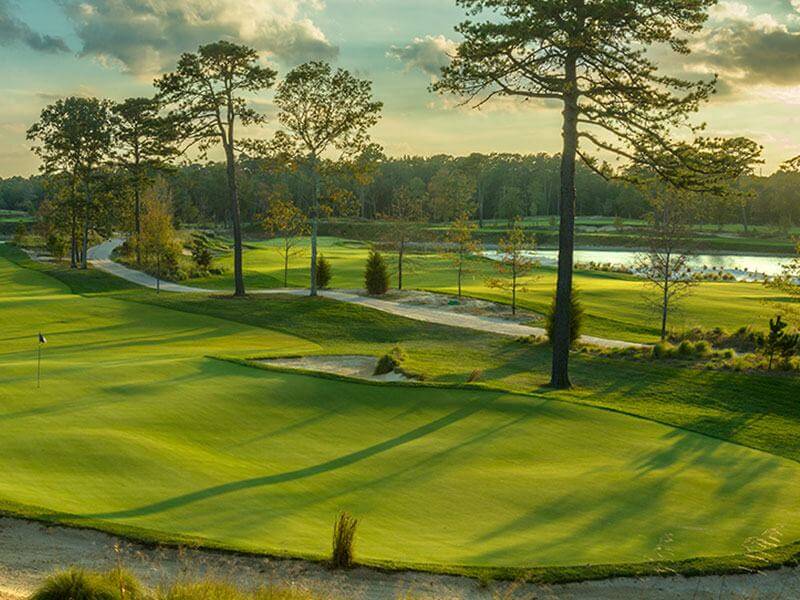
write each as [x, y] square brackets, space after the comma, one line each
[51, 49]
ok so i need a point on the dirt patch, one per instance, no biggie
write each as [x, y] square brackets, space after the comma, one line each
[349, 365]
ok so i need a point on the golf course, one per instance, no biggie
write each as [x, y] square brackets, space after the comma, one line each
[615, 303]
[149, 422]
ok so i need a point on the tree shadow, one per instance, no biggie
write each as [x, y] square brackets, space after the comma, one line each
[267, 480]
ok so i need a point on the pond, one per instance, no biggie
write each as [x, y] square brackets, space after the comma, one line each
[742, 267]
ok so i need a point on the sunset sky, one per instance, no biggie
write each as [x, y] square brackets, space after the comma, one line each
[113, 48]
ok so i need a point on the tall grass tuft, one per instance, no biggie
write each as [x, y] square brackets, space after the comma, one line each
[77, 584]
[344, 534]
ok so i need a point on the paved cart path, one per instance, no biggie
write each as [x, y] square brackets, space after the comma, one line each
[100, 257]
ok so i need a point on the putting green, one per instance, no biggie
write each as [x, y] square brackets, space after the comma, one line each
[134, 426]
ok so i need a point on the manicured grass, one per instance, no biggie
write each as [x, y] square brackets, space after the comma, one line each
[135, 428]
[615, 304]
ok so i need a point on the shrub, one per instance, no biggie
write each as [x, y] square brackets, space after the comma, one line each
[702, 349]
[390, 361]
[376, 276]
[344, 534]
[575, 318]
[77, 584]
[323, 272]
[686, 349]
[663, 350]
[57, 246]
[201, 254]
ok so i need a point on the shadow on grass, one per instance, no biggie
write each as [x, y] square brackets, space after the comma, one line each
[331, 465]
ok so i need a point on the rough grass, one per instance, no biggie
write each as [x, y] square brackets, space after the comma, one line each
[79, 584]
[135, 430]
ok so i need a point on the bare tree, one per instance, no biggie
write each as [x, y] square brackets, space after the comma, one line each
[514, 262]
[404, 215]
[668, 239]
[286, 221]
[462, 245]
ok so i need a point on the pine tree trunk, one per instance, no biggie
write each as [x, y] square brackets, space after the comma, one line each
[286, 267]
[85, 241]
[459, 277]
[400, 264]
[233, 197]
[137, 214]
[514, 292]
[566, 235]
[314, 228]
[73, 255]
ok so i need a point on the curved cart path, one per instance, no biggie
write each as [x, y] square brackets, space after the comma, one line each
[100, 257]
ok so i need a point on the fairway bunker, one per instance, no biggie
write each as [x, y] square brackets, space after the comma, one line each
[349, 365]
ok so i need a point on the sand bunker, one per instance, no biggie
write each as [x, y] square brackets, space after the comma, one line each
[352, 365]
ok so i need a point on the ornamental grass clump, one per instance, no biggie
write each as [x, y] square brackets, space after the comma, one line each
[344, 535]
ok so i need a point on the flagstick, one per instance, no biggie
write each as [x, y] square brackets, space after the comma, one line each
[39, 368]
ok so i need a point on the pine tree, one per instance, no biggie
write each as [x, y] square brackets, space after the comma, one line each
[323, 272]
[376, 277]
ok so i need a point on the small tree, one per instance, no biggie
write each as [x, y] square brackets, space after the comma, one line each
[322, 110]
[779, 342]
[207, 96]
[159, 244]
[324, 273]
[285, 221]
[404, 214]
[376, 276]
[788, 282]
[668, 239]
[462, 242]
[514, 262]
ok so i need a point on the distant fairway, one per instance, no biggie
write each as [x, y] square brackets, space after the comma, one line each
[615, 304]
[134, 427]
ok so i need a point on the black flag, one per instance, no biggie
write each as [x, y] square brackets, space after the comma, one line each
[42, 339]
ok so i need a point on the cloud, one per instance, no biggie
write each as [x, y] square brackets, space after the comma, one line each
[747, 50]
[146, 37]
[429, 54]
[13, 30]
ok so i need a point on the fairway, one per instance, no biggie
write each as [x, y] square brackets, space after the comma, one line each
[615, 304]
[135, 426]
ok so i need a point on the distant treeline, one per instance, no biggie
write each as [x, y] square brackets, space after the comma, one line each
[497, 186]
